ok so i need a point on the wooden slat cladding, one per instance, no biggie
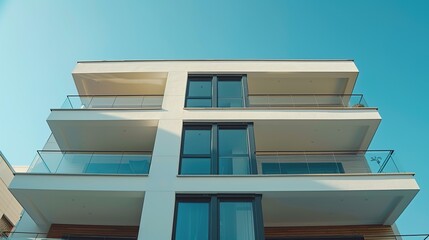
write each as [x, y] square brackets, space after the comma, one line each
[60, 230]
[370, 232]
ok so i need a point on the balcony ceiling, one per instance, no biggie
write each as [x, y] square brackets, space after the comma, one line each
[314, 135]
[131, 83]
[301, 83]
[82, 207]
[334, 208]
[104, 135]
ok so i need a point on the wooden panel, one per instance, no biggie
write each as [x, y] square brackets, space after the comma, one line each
[60, 230]
[370, 232]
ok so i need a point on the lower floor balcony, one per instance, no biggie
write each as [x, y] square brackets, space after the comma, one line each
[350, 233]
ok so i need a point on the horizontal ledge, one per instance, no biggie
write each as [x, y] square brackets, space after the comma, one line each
[287, 108]
[217, 60]
[82, 174]
[304, 175]
[102, 109]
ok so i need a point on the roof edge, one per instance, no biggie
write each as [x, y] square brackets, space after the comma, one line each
[218, 60]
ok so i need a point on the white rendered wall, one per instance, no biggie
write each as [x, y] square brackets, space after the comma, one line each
[9, 206]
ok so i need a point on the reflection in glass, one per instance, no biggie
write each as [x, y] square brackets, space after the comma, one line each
[233, 151]
[197, 141]
[230, 94]
[104, 163]
[197, 102]
[74, 162]
[134, 164]
[200, 88]
[195, 166]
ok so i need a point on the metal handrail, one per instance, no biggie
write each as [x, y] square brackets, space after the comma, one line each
[302, 94]
[113, 95]
[329, 151]
[89, 151]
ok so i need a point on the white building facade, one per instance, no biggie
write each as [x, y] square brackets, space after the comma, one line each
[213, 150]
[10, 210]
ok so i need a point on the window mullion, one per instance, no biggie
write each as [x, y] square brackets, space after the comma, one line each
[245, 91]
[214, 91]
[258, 218]
[215, 150]
[214, 218]
[252, 149]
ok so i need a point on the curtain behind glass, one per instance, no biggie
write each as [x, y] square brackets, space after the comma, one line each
[192, 221]
[236, 221]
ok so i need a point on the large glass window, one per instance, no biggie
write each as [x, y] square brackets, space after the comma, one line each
[216, 91]
[217, 149]
[214, 217]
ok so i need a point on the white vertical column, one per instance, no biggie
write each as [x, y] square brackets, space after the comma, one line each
[158, 208]
[157, 215]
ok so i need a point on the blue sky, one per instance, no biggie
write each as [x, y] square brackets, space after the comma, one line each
[40, 42]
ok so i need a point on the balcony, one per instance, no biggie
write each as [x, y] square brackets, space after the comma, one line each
[76, 187]
[312, 101]
[326, 162]
[98, 102]
[78, 162]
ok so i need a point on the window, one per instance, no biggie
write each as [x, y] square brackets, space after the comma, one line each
[217, 149]
[223, 91]
[218, 217]
[302, 168]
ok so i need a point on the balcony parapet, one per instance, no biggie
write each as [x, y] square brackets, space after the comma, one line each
[94, 102]
[307, 100]
[91, 162]
[326, 162]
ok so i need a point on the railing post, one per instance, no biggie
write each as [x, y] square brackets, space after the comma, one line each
[71, 105]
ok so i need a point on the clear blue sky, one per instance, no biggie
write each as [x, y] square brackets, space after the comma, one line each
[40, 42]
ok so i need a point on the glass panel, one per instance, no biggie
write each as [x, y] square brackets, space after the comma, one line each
[38, 166]
[51, 160]
[200, 88]
[128, 102]
[192, 221]
[236, 221]
[104, 163]
[197, 141]
[230, 94]
[326, 168]
[230, 102]
[198, 102]
[233, 151]
[234, 165]
[195, 166]
[135, 164]
[102, 102]
[152, 101]
[233, 142]
[74, 162]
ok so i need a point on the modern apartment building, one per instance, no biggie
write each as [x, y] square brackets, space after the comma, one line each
[213, 150]
[10, 210]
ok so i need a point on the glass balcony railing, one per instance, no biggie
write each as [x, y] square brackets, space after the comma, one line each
[109, 101]
[81, 162]
[346, 162]
[307, 100]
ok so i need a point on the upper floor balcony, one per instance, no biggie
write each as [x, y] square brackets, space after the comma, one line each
[99, 102]
[87, 162]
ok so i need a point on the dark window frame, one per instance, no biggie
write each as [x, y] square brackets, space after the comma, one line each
[214, 79]
[214, 143]
[214, 201]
